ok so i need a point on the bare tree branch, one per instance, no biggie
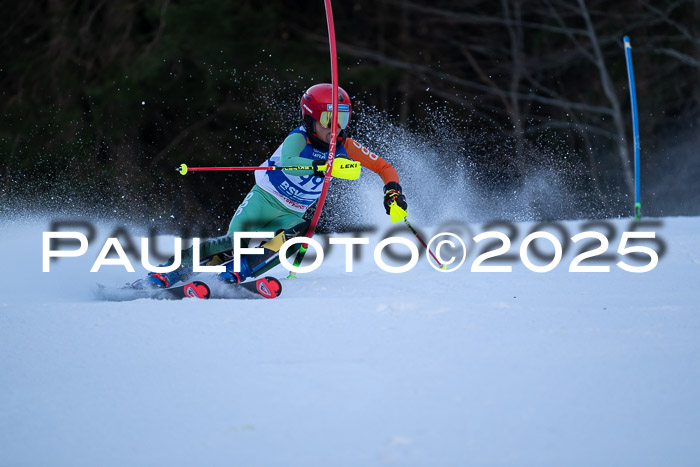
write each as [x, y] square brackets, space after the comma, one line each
[420, 70]
[161, 28]
[685, 58]
[609, 91]
[453, 17]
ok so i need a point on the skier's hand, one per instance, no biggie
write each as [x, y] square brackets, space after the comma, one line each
[319, 163]
[392, 193]
[343, 167]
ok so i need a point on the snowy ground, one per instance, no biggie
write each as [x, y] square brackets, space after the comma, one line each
[361, 368]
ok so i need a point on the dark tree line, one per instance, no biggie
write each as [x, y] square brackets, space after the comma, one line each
[100, 99]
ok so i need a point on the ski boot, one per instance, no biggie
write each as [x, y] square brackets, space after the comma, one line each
[163, 279]
[232, 277]
[158, 280]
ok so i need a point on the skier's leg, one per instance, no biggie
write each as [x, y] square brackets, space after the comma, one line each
[207, 249]
[260, 264]
[259, 212]
[252, 213]
[257, 264]
[262, 212]
[256, 213]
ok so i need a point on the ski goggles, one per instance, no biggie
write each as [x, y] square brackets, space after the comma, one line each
[343, 116]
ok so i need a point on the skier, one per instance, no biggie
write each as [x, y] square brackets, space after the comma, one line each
[279, 199]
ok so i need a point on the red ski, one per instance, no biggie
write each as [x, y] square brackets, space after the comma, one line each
[264, 287]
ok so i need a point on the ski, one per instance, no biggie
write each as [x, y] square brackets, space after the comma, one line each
[264, 287]
[194, 289]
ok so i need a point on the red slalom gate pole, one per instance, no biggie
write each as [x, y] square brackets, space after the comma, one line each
[334, 135]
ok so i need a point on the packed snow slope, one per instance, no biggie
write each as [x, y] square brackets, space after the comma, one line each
[358, 368]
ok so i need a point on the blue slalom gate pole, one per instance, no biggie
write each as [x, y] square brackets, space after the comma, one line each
[635, 130]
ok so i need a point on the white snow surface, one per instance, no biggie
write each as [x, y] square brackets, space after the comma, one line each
[355, 369]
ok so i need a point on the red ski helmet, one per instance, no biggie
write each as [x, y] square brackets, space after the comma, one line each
[317, 104]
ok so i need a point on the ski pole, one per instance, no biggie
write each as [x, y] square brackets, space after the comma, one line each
[183, 169]
[349, 170]
[424, 244]
[442, 266]
[396, 213]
